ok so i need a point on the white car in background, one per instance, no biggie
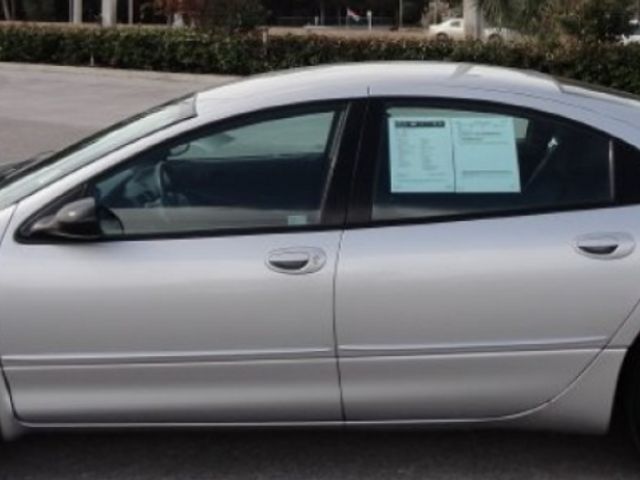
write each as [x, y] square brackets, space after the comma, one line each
[453, 29]
[634, 35]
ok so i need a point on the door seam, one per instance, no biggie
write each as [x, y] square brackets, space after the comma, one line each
[335, 325]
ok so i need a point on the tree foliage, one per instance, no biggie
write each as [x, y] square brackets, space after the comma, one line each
[586, 20]
[189, 50]
[598, 20]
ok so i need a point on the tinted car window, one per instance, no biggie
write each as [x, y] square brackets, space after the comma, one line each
[265, 172]
[436, 162]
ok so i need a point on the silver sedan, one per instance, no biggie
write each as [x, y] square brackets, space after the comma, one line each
[402, 244]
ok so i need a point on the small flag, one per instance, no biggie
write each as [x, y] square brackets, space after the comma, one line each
[353, 15]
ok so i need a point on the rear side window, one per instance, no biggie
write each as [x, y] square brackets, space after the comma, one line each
[440, 162]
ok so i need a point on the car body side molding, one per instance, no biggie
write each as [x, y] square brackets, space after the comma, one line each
[581, 408]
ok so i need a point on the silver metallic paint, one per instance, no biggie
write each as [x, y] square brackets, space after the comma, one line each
[586, 405]
[497, 282]
[10, 427]
[222, 392]
[529, 89]
[167, 357]
[583, 407]
[53, 365]
[176, 299]
[456, 386]
[471, 347]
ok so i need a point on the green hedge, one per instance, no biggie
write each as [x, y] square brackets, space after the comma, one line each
[183, 50]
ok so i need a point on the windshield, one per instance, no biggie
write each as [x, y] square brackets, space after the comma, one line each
[32, 176]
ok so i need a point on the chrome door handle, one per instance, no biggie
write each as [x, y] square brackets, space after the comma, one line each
[605, 246]
[296, 261]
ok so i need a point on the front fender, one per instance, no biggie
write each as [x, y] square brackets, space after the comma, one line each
[9, 426]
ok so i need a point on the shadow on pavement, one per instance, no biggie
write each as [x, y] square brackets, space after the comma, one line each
[319, 455]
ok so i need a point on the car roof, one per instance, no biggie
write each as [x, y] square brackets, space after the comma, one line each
[389, 79]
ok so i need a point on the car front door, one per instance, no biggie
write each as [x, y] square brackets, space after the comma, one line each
[209, 298]
[489, 258]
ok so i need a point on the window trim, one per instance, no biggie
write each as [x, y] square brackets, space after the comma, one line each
[343, 151]
[362, 196]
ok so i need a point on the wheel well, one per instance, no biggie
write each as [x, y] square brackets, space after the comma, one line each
[631, 360]
[9, 425]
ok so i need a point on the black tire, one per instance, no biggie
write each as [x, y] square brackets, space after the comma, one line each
[442, 37]
[495, 38]
[631, 397]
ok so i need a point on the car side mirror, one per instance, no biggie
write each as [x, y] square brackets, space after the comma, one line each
[77, 220]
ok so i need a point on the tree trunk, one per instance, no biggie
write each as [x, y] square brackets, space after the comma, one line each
[77, 11]
[472, 19]
[6, 10]
[109, 13]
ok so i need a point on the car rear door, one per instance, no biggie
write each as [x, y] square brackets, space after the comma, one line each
[210, 298]
[489, 258]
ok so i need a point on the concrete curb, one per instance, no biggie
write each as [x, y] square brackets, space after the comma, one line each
[205, 79]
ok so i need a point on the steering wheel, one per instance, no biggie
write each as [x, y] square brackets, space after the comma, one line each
[163, 185]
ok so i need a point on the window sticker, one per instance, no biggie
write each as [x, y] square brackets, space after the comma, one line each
[485, 155]
[459, 154]
[421, 155]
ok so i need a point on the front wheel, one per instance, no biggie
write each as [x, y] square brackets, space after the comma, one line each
[442, 37]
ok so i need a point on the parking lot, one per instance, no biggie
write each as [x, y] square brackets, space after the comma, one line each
[44, 108]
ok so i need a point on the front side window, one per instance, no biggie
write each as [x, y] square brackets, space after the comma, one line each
[441, 162]
[269, 171]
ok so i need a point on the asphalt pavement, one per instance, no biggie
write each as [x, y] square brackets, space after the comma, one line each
[45, 108]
